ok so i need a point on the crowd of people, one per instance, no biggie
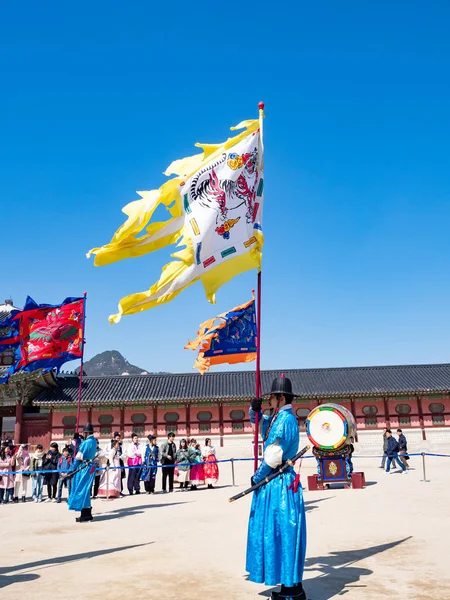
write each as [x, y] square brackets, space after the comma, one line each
[190, 465]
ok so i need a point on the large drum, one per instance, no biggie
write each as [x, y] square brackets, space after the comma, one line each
[330, 427]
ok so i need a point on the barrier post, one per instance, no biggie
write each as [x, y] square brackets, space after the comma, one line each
[425, 480]
[232, 472]
[107, 482]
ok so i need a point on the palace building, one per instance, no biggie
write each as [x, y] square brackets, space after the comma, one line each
[42, 407]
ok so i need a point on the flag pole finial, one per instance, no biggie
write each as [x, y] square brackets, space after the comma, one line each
[261, 105]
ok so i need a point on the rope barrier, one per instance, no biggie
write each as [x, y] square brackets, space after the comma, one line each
[226, 460]
[431, 454]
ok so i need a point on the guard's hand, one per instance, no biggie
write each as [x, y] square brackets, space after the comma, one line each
[256, 404]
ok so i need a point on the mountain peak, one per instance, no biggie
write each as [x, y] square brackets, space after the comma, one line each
[109, 363]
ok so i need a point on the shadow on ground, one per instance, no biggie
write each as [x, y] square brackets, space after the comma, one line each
[337, 573]
[311, 504]
[131, 510]
[6, 578]
[342, 486]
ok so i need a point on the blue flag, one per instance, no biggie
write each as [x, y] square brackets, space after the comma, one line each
[229, 338]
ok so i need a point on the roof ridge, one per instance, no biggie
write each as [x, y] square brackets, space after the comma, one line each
[286, 370]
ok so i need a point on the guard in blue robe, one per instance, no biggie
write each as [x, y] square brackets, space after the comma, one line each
[80, 493]
[276, 544]
[150, 470]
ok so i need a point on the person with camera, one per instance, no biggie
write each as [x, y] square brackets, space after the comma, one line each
[51, 464]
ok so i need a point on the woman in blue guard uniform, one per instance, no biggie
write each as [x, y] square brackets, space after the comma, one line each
[276, 542]
[80, 493]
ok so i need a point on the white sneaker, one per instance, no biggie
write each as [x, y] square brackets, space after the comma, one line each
[405, 472]
[40, 500]
[387, 472]
[35, 500]
[54, 500]
[48, 500]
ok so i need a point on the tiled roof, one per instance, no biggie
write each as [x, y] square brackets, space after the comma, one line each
[307, 383]
[5, 310]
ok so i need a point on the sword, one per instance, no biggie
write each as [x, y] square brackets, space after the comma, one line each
[289, 463]
[83, 466]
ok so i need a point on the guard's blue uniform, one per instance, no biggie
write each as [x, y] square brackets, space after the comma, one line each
[276, 544]
[80, 493]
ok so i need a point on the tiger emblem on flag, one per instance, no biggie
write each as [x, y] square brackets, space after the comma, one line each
[226, 185]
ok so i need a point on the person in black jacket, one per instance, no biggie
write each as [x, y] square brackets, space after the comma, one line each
[50, 463]
[392, 453]
[348, 456]
[385, 455]
[402, 448]
[168, 458]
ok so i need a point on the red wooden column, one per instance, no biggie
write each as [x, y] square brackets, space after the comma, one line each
[386, 413]
[221, 423]
[420, 411]
[90, 415]
[155, 420]
[188, 420]
[18, 424]
[50, 422]
[122, 421]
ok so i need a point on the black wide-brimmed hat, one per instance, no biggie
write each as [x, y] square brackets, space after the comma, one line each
[281, 385]
[88, 428]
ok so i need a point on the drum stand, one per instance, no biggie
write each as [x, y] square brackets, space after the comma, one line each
[332, 467]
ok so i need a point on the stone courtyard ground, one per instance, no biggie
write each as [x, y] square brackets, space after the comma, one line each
[390, 540]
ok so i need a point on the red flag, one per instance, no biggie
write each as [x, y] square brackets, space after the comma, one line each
[51, 335]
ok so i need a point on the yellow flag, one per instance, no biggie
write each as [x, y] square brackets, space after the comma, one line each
[215, 205]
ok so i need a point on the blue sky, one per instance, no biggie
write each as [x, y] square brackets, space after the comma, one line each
[96, 99]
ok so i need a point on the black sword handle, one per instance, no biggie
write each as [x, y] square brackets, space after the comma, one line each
[274, 474]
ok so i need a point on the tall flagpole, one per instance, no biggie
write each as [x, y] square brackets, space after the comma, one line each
[258, 314]
[80, 387]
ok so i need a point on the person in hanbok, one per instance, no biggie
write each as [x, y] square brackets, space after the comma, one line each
[118, 438]
[184, 465]
[135, 454]
[276, 543]
[150, 470]
[115, 473]
[99, 469]
[75, 445]
[210, 468]
[84, 473]
[197, 475]
[7, 463]
[22, 472]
